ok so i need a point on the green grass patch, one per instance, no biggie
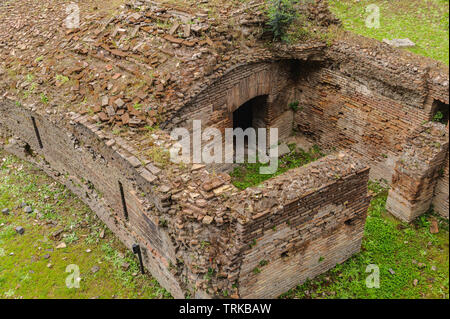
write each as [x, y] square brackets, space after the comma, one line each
[425, 22]
[248, 174]
[30, 264]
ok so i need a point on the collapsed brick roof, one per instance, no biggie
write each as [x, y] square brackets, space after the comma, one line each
[128, 63]
[133, 63]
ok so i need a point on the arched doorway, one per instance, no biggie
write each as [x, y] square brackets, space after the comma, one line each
[252, 113]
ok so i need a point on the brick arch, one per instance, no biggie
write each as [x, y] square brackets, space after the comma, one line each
[215, 104]
[248, 88]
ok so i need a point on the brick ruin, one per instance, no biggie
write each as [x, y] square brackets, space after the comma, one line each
[386, 121]
[370, 107]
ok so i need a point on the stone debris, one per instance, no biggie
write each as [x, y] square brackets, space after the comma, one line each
[434, 228]
[207, 220]
[95, 269]
[5, 211]
[146, 75]
[20, 230]
[28, 209]
[61, 246]
[125, 266]
[57, 234]
[400, 43]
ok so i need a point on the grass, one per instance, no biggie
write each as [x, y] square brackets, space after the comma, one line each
[247, 175]
[425, 22]
[30, 264]
[412, 262]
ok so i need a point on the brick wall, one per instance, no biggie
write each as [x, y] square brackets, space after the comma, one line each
[417, 171]
[337, 112]
[316, 229]
[440, 200]
[353, 102]
[205, 209]
[302, 222]
[93, 171]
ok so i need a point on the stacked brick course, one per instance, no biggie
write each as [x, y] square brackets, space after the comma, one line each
[308, 221]
[440, 200]
[417, 171]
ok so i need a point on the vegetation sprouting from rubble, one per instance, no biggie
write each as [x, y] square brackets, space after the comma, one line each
[247, 175]
[281, 15]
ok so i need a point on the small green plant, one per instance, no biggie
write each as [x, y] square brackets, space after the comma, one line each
[163, 222]
[445, 21]
[263, 263]
[62, 78]
[44, 98]
[159, 155]
[71, 238]
[204, 244]
[281, 15]
[256, 270]
[152, 128]
[438, 117]
[30, 90]
[210, 274]
[294, 106]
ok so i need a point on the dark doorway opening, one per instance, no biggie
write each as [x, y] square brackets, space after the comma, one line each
[243, 116]
[440, 112]
[251, 114]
